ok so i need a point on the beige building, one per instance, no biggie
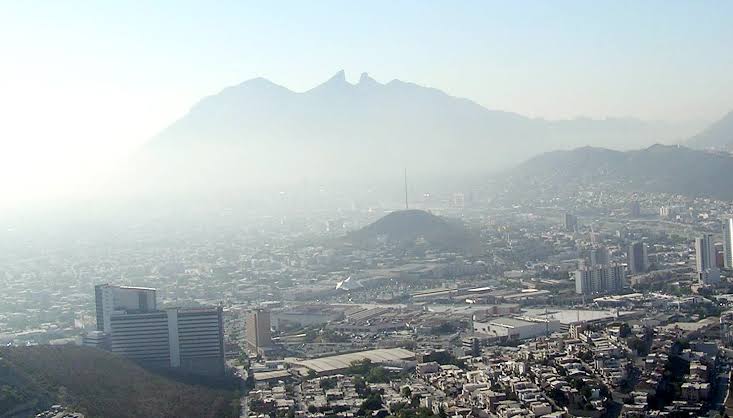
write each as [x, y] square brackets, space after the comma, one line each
[257, 330]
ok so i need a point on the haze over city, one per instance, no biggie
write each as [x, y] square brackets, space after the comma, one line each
[389, 209]
[84, 85]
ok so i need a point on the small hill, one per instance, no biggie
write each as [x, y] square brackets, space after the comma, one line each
[718, 136]
[99, 384]
[660, 168]
[407, 226]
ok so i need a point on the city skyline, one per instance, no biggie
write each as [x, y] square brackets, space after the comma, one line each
[392, 209]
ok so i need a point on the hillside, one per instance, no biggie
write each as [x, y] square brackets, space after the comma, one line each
[718, 136]
[260, 133]
[20, 396]
[100, 384]
[659, 168]
[407, 226]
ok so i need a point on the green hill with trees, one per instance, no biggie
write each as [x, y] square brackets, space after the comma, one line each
[100, 384]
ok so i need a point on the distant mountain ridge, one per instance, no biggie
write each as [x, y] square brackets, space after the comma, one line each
[717, 136]
[660, 168]
[263, 133]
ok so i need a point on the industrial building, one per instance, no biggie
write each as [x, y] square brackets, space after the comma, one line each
[335, 364]
[513, 328]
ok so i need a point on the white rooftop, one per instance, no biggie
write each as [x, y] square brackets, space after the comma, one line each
[343, 361]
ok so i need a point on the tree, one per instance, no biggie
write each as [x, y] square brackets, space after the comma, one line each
[396, 408]
[624, 331]
[586, 356]
[249, 383]
[360, 386]
[638, 345]
[262, 407]
[424, 413]
[377, 375]
[327, 384]
[407, 392]
[558, 396]
[360, 367]
[373, 402]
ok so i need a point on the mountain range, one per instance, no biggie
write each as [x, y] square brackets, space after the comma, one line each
[671, 169]
[718, 136]
[260, 133]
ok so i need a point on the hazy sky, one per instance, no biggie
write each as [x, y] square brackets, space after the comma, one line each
[83, 82]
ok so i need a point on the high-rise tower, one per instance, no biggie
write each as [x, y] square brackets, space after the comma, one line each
[637, 257]
[257, 329]
[728, 243]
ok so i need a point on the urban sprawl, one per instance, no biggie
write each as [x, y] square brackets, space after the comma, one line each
[597, 303]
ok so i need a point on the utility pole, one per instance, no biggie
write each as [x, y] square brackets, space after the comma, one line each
[407, 206]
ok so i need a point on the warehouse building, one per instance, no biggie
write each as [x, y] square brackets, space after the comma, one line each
[510, 328]
[398, 357]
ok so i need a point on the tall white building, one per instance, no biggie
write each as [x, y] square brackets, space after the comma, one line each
[664, 212]
[728, 243]
[706, 260]
[190, 339]
[704, 253]
[112, 299]
[600, 279]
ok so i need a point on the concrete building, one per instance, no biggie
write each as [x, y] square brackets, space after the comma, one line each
[599, 256]
[143, 337]
[704, 253]
[710, 276]
[728, 243]
[186, 339]
[96, 339]
[305, 315]
[571, 222]
[600, 279]
[200, 340]
[514, 328]
[129, 324]
[637, 257]
[324, 366]
[705, 260]
[112, 299]
[257, 330]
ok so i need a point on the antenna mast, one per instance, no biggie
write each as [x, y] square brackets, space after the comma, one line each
[406, 204]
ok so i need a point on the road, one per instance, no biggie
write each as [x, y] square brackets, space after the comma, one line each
[721, 389]
[245, 407]
[244, 400]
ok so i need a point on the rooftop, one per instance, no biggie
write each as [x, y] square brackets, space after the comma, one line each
[343, 361]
